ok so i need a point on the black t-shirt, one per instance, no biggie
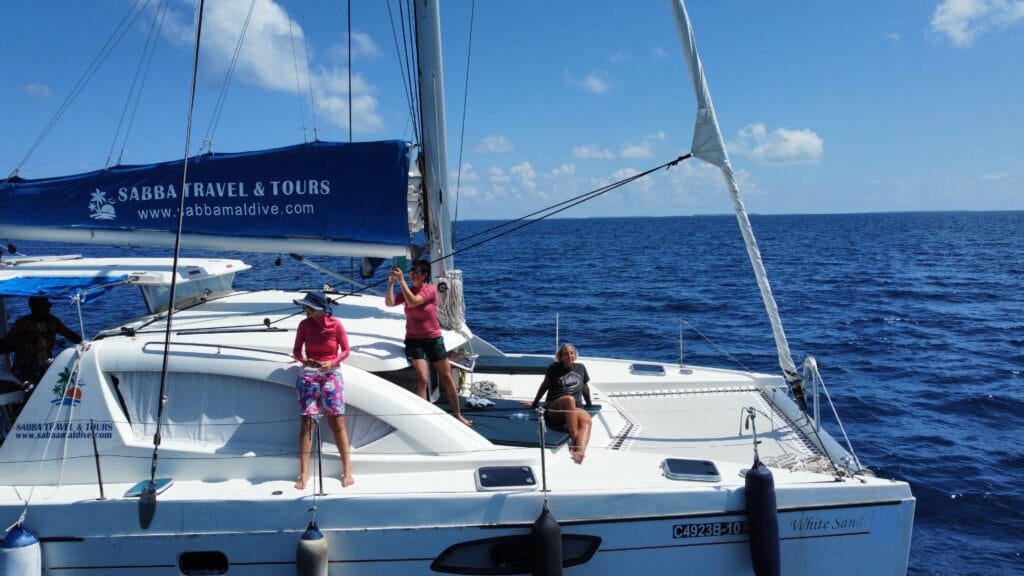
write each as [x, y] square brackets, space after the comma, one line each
[564, 381]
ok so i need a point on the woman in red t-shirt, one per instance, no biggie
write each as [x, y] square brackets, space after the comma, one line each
[320, 385]
[423, 339]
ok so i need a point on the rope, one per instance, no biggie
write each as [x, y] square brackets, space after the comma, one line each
[451, 308]
[484, 389]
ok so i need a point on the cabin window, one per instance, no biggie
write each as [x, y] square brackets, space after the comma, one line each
[188, 293]
[221, 410]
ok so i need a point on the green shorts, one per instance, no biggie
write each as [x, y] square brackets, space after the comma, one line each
[431, 349]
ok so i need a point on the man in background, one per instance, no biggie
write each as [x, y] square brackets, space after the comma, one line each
[32, 338]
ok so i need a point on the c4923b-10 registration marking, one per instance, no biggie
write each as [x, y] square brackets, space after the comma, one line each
[709, 529]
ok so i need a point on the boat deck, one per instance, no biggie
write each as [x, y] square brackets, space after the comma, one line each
[696, 413]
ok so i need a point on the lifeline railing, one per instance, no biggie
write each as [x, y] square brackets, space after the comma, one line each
[813, 375]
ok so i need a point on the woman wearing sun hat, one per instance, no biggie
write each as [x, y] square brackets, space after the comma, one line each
[321, 345]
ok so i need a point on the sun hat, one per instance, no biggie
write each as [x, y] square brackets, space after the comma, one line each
[315, 300]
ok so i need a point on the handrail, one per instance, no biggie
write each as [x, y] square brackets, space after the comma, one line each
[220, 347]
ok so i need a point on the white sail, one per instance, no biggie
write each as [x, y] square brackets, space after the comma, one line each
[709, 146]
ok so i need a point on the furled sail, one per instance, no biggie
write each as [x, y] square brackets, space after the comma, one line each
[316, 198]
[709, 146]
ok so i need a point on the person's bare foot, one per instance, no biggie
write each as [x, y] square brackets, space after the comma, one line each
[464, 420]
[300, 484]
[347, 480]
[575, 453]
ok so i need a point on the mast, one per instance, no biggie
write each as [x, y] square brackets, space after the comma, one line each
[435, 144]
[709, 146]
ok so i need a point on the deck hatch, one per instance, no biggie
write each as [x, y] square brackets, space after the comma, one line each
[505, 477]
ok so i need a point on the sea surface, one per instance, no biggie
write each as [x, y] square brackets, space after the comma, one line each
[916, 321]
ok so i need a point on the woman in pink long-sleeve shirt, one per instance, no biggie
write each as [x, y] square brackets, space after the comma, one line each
[321, 345]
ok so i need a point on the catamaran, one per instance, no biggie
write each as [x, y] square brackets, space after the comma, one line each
[166, 444]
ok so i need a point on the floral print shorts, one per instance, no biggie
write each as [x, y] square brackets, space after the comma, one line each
[321, 392]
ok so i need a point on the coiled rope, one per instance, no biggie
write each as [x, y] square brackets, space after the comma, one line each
[451, 308]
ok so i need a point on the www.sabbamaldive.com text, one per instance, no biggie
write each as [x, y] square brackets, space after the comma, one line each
[239, 210]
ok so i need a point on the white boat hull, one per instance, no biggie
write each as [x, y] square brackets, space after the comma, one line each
[868, 539]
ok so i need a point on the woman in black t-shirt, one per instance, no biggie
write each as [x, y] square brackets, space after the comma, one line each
[566, 385]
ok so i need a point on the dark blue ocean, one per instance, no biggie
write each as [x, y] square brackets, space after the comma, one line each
[916, 320]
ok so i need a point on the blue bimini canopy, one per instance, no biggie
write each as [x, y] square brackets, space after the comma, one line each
[56, 286]
[332, 193]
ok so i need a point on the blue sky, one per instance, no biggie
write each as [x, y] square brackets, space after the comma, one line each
[826, 106]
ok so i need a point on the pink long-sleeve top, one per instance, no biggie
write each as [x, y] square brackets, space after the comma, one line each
[321, 338]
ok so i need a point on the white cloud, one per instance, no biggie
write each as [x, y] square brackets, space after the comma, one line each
[525, 176]
[466, 182]
[659, 53]
[644, 149]
[468, 174]
[894, 36]
[780, 146]
[996, 177]
[267, 61]
[563, 171]
[964, 20]
[37, 90]
[591, 151]
[633, 151]
[330, 88]
[595, 82]
[498, 178]
[689, 188]
[363, 46]
[495, 145]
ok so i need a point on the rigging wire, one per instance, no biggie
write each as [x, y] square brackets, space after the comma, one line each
[142, 70]
[349, 24]
[462, 132]
[108, 46]
[414, 64]
[565, 204]
[309, 75]
[138, 99]
[411, 56]
[524, 221]
[177, 249]
[298, 83]
[413, 116]
[222, 96]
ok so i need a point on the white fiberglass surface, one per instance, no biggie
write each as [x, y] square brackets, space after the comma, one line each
[708, 424]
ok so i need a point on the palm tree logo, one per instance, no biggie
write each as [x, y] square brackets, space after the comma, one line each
[101, 207]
